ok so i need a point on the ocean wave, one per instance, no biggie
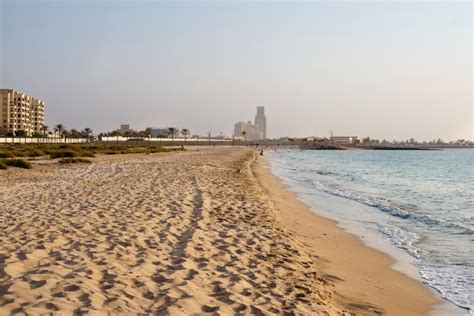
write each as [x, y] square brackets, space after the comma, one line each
[402, 239]
[447, 280]
[394, 210]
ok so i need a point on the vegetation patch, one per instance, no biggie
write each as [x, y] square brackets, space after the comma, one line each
[74, 160]
[76, 150]
[34, 152]
[86, 153]
[6, 154]
[19, 163]
[63, 154]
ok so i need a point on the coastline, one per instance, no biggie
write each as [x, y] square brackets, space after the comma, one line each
[363, 277]
[232, 239]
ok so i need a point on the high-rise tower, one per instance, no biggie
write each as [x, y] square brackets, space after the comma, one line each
[261, 122]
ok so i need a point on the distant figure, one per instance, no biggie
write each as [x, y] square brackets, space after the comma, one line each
[261, 152]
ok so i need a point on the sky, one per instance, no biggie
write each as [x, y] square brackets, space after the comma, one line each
[388, 70]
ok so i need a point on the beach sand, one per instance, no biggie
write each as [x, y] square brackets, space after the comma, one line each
[208, 231]
[180, 233]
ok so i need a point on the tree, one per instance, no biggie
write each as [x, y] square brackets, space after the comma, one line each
[148, 132]
[87, 132]
[185, 133]
[73, 133]
[171, 131]
[59, 128]
[44, 129]
[20, 133]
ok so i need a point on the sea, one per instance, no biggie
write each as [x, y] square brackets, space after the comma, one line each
[417, 206]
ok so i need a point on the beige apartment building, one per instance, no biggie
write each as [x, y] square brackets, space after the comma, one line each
[20, 112]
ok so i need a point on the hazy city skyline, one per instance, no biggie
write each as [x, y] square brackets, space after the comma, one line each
[385, 70]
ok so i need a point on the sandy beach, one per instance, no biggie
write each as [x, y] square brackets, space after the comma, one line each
[189, 232]
[208, 231]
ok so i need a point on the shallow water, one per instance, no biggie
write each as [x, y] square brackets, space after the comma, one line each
[419, 201]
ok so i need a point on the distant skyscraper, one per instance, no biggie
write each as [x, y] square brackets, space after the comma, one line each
[253, 131]
[261, 122]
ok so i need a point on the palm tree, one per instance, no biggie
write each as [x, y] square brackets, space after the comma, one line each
[171, 131]
[243, 134]
[185, 133]
[87, 132]
[44, 129]
[59, 128]
[74, 133]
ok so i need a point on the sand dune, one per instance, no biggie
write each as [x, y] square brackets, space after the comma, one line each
[189, 232]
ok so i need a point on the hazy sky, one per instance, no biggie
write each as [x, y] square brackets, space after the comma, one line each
[389, 70]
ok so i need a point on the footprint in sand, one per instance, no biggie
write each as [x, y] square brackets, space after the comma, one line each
[72, 288]
[209, 309]
[37, 284]
[52, 307]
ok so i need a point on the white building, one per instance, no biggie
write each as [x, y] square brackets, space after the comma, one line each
[344, 140]
[20, 113]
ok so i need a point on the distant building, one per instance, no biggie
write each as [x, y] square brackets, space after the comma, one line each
[125, 129]
[255, 131]
[157, 132]
[344, 140]
[20, 112]
[261, 122]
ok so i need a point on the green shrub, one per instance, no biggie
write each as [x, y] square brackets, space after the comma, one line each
[6, 154]
[34, 153]
[62, 154]
[74, 160]
[19, 163]
[3, 166]
[85, 153]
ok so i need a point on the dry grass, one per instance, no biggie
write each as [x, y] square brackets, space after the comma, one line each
[19, 163]
[74, 160]
[74, 150]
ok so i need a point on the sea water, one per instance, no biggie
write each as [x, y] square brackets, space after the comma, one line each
[421, 202]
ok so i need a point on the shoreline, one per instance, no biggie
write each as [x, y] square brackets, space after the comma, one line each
[232, 239]
[364, 279]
